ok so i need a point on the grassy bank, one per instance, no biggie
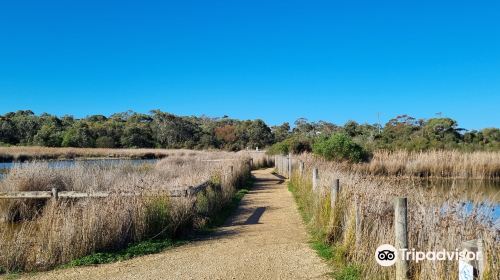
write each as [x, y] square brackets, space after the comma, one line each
[331, 253]
[42, 235]
[432, 226]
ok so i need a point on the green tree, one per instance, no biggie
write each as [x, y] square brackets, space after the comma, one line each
[339, 147]
[27, 125]
[281, 132]
[174, 132]
[7, 131]
[104, 142]
[351, 128]
[78, 135]
[137, 136]
[49, 135]
[259, 134]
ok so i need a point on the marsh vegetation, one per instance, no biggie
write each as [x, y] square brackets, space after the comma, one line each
[441, 215]
[41, 234]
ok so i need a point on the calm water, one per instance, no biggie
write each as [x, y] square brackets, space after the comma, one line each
[482, 193]
[6, 166]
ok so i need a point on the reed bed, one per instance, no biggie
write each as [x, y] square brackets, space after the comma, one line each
[439, 163]
[43, 234]
[28, 153]
[437, 220]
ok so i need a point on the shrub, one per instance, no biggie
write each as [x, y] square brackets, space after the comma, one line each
[294, 145]
[104, 142]
[339, 147]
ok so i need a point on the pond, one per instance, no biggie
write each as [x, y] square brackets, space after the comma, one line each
[482, 193]
[6, 166]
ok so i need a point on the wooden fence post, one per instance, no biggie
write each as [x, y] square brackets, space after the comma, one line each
[301, 168]
[315, 179]
[283, 163]
[357, 212]
[335, 193]
[401, 233]
[285, 166]
[282, 166]
[55, 194]
[289, 165]
[277, 163]
[472, 269]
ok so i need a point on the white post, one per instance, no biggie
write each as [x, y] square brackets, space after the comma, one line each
[473, 269]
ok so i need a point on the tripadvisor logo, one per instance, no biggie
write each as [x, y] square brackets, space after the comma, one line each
[387, 255]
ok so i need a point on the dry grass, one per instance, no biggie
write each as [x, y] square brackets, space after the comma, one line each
[431, 226]
[48, 233]
[456, 164]
[21, 153]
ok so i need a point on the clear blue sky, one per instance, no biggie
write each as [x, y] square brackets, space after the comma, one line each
[275, 60]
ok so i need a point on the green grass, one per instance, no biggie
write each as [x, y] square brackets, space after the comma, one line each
[134, 250]
[11, 275]
[333, 254]
[323, 250]
[220, 218]
[349, 272]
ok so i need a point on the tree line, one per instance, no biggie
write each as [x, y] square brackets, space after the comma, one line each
[159, 129]
[401, 132]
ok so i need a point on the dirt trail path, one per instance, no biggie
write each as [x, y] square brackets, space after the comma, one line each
[264, 239]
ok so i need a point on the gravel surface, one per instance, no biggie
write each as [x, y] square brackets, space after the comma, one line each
[264, 239]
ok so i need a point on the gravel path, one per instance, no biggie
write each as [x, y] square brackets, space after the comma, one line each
[264, 239]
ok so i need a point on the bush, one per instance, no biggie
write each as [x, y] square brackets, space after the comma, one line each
[104, 142]
[294, 145]
[339, 147]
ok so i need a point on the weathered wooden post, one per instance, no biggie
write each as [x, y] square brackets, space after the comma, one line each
[301, 168]
[285, 167]
[334, 193]
[281, 164]
[55, 194]
[357, 213]
[401, 232]
[289, 165]
[472, 269]
[315, 179]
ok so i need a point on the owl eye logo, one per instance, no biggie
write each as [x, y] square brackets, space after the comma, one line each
[386, 255]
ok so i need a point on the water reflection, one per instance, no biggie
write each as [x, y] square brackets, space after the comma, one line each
[6, 166]
[481, 197]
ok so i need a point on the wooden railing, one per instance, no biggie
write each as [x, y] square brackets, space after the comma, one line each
[56, 194]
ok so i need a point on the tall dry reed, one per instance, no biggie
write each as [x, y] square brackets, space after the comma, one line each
[437, 220]
[457, 164]
[24, 153]
[43, 234]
